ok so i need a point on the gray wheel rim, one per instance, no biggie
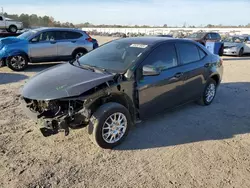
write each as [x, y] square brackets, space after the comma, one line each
[13, 29]
[17, 62]
[210, 92]
[114, 128]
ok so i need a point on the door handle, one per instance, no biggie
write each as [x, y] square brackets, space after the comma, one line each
[178, 75]
[73, 41]
[52, 42]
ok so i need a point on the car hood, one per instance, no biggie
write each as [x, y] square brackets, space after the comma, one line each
[11, 40]
[62, 81]
[229, 44]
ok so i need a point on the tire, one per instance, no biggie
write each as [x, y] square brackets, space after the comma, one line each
[98, 128]
[79, 53]
[241, 52]
[205, 100]
[17, 62]
[12, 29]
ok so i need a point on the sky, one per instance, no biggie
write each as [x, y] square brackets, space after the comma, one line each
[137, 12]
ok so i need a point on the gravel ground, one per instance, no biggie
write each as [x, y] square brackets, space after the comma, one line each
[191, 146]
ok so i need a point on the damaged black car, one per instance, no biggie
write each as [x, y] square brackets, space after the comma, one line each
[120, 83]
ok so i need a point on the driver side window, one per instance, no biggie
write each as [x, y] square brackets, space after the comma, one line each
[163, 57]
[45, 36]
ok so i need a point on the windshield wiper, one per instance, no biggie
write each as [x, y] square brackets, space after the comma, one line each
[84, 66]
[89, 67]
[99, 69]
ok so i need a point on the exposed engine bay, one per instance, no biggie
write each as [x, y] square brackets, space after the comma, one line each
[74, 112]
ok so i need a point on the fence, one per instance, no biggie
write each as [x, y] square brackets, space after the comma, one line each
[168, 30]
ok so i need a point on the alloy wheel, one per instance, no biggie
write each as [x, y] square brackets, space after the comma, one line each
[17, 62]
[114, 128]
[210, 92]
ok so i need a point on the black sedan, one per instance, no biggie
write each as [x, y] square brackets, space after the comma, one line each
[126, 80]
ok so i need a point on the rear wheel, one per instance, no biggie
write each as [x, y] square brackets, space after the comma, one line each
[241, 52]
[12, 29]
[79, 53]
[109, 125]
[17, 63]
[208, 93]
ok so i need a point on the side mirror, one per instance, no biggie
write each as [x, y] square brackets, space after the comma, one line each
[34, 40]
[148, 70]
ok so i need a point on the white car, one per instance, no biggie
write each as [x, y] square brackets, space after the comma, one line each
[237, 45]
[10, 25]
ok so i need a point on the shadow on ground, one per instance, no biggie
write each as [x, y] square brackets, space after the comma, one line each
[228, 116]
[7, 78]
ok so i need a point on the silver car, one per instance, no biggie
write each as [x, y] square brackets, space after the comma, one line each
[237, 45]
[45, 45]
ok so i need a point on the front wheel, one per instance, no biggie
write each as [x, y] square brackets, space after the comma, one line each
[241, 52]
[17, 63]
[12, 29]
[109, 125]
[208, 93]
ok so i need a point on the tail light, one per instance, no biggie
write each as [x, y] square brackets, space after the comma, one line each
[89, 37]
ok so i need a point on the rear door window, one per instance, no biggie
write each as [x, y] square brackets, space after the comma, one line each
[188, 52]
[1, 18]
[214, 36]
[67, 35]
[218, 36]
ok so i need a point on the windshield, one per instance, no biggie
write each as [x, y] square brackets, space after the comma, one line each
[196, 35]
[26, 35]
[114, 56]
[235, 39]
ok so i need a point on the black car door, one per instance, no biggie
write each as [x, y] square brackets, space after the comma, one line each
[160, 91]
[195, 68]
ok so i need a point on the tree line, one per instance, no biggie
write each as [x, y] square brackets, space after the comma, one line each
[34, 20]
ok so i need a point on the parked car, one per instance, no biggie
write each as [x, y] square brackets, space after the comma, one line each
[162, 35]
[203, 37]
[237, 45]
[119, 83]
[10, 25]
[45, 45]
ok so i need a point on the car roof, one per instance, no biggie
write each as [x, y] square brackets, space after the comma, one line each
[57, 28]
[150, 40]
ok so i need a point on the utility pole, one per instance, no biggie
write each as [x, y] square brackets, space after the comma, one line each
[2, 10]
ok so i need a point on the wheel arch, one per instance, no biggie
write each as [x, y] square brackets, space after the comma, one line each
[18, 52]
[120, 98]
[216, 78]
[12, 25]
[79, 49]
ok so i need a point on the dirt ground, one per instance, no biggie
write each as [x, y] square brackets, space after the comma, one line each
[192, 146]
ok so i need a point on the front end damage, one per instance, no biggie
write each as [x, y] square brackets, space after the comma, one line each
[57, 115]
[61, 115]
